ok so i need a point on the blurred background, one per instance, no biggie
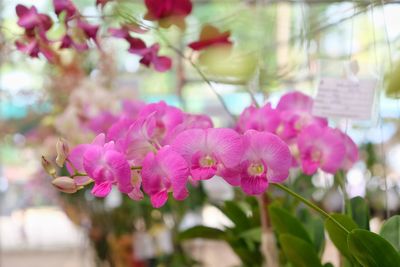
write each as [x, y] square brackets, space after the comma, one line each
[279, 46]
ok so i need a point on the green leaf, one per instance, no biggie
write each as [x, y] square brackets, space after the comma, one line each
[338, 235]
[372, 250]
[315, 228]
[360, 212]
[203, 232]
[391, 231]
[252, 234]
[285, 223]
[237, 215]
[328, 264]
[299, 252]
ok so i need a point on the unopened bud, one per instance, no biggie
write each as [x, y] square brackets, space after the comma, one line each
[65, 184]
[48, 167]
[62, 152]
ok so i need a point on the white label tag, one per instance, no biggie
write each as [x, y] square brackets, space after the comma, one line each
[342, 98]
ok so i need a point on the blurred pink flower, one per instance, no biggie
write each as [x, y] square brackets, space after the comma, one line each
[68, 42]
[260, 119]
[137, 140]
[150, 57]
[29, 18]
[66, 6]
[163, 172]
[166, 118]
[321, 147]
[210, 36]
[75, 159]
[190, 121]
[295, 110]
[172, 11]
[351, 155]
[33, 48]
[89, 30]
[209, 151]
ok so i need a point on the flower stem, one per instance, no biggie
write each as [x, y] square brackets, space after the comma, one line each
[311, 205]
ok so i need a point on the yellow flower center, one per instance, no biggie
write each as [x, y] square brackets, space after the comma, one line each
[207, 161]
[255, 169]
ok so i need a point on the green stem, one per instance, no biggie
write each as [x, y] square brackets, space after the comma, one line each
[346, 199]
[78, 174]
[311, 205]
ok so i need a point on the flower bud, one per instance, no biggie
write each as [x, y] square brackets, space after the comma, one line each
[62, 152]
[48, 167]
[65, 184]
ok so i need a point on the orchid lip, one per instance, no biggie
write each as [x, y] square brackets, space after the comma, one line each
[207, 161]
[316, 155]
[256, 169]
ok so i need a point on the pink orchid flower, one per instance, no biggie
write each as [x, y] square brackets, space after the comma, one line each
[150, 57]
[68, 42]
[75, 160]
[295, 110]
[106, 166]
[266, 159]
[190, 121]
[260, 119]
[66, 6]
[137, 141]
[29, 18]
[166, 118]
[33, 48]
[101, 122]
[209, 151]
[320, 147]
[164, 172]
[351, 155]
[168, 12]
[89, 30]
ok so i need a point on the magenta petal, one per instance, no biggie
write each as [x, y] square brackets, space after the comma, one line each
[76, 158]
[309, 167]
[254, 185]
[181, 195]
[159, 199]
[334, 151]
[162, 63]
[175, 167]
[189, 142]
[121, 170]
[136, 194]
[203, 173]
[295, 101]
[102, 190]
[91, 162]
[351, 152]
[226, 144]
[21, 10]
[269, 148]
[231, 176]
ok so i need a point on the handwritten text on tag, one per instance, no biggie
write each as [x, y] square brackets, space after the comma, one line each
[342, 98]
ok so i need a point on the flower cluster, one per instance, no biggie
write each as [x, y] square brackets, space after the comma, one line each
[313, 144]
[79, 32]
[159, 149]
